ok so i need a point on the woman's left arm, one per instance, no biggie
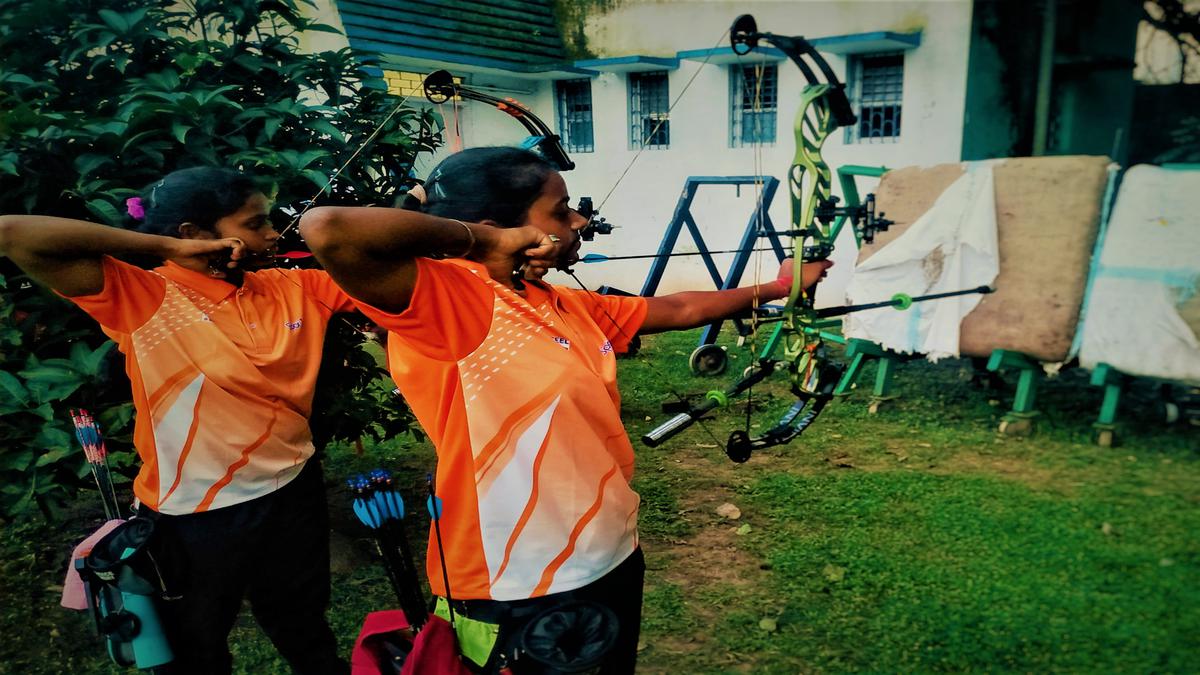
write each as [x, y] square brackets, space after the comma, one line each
[689, 309]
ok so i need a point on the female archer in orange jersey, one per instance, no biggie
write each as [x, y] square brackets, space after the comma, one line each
[516, 387]
[223, 359]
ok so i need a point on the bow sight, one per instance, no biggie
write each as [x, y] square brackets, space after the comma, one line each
[596, 225]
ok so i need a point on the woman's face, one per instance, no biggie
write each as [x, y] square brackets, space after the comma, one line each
[551, 214]
[252, 224]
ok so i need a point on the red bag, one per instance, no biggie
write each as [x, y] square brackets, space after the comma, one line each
[386, 646]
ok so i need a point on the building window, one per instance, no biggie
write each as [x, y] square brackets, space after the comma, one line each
[575, 114]
[876, 91]
[753, 96]
[648, 108]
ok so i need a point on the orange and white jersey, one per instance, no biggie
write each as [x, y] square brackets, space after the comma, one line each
[519, 396]
[222, 376]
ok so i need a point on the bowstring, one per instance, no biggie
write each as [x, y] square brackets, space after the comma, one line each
[663, 120]
[329, 183]
[642, 148]
[649, 363]
[760, 209]
[333, 177]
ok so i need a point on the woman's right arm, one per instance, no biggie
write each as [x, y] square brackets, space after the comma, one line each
[371, 252]
[65, 254]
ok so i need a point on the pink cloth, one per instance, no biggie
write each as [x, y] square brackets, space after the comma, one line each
[434, 651]
[73, 595]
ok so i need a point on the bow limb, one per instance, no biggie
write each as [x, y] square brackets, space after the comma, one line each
[439, 87]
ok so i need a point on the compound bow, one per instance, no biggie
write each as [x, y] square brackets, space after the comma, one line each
[817, 221]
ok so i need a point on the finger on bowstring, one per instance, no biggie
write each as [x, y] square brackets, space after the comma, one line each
[536, 271]
[237, 249]
[541, 252]
[545, 248]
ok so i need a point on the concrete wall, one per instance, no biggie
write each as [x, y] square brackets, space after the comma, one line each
[642, 202]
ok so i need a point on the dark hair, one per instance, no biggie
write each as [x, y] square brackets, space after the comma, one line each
[201, 196]
[479, 184]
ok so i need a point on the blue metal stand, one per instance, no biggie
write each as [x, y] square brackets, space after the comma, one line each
[758, 227]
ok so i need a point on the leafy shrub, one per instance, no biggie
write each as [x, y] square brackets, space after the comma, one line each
[101, 97]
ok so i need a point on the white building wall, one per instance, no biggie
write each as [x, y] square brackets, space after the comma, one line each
[644, 191]
[935, 75]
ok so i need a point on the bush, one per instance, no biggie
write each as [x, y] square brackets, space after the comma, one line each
[101, 97]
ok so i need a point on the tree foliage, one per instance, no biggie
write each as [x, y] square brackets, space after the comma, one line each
[99, 98]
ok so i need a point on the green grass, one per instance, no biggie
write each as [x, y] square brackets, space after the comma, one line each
[930, 572]
[913, 540]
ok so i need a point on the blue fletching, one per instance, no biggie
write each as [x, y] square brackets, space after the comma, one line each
[366, 515]
[390, 503]
[397, 504]
[429, 504]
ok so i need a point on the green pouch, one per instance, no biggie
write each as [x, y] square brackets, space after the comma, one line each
[476, 639]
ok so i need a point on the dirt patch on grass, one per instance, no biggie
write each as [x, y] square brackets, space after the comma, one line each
[707, 566]
[999, 466]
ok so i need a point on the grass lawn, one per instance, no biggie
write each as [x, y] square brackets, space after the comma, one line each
[913, 540]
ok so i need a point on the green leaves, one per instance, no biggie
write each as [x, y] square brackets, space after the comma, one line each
[122, 23]
[103, 97]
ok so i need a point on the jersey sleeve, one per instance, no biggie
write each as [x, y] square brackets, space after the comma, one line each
[448, 316]
[620, 317]
[322, 288]
[129, 298]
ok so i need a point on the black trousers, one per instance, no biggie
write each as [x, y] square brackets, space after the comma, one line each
[274, 551]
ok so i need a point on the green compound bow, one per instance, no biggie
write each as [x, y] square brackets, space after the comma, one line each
[816, 222]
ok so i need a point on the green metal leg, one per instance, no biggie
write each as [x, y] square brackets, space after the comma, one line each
[1114, 382]
[883, 376]
[1020, 420]
[850, 375]
[860, 352]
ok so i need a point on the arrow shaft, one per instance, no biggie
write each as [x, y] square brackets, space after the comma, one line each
[596, 257]
[838, 311]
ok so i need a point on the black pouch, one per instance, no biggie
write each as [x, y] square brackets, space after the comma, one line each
[547, 636]
[573, 637]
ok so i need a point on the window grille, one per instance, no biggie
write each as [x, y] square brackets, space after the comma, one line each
[648, 105]
[753, 97]
[575, 114]
[877, 90]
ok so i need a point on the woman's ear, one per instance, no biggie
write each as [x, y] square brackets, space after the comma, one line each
[193, 231]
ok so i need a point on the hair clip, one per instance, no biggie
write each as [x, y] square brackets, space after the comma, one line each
[133, 206]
